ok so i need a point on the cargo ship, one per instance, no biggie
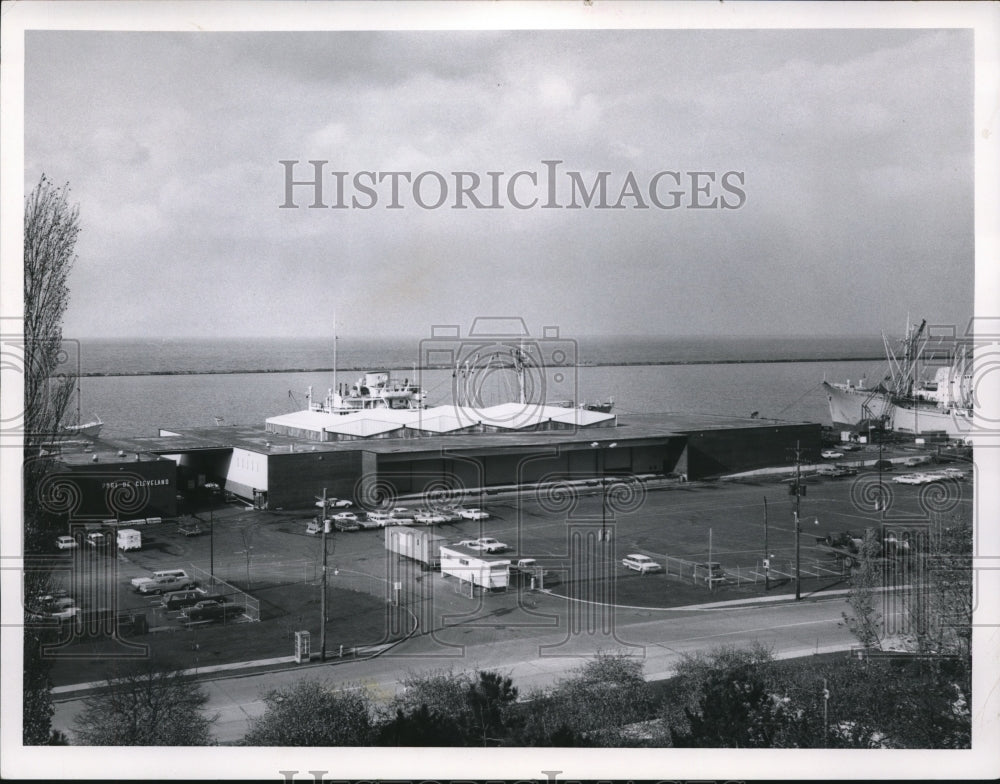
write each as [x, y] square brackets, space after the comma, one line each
[909, 400]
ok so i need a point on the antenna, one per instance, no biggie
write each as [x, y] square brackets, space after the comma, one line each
[335, 348]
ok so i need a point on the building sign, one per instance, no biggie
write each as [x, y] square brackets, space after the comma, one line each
[134, 483]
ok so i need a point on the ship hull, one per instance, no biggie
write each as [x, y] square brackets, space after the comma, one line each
[851, 406]
[90, 430]
[925, 421]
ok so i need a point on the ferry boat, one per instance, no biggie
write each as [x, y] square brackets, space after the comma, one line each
[374, 390]
[905, 401]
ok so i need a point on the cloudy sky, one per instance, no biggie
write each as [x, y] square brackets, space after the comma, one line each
[854, 148]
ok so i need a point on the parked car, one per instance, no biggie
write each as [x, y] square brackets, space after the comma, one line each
[836, 471]
[341, 503]
[59, 608]
[851, 447]
[953, 473]
[909, 479]
[97, 539]
[473, 514]
[486, 544]
[428, 517]
[166, 583]
[346, 517]
[916, 460]
[189, 529]
[211, 610]
[66, 542]
[830, 454]
[528, 569]
[710, 572]
[178, 600]
[451, 514]
[377, 520]
[641, 563]
[401, 515]
[882, 465]
[346, 522]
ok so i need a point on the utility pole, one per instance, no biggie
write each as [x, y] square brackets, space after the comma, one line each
[211, 544]
[322, 600]
[798, 527]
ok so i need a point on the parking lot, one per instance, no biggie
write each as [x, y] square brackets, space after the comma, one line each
[375, 596]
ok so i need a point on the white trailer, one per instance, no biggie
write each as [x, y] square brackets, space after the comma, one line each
[478, 568]
[421, 545]
[129, 539]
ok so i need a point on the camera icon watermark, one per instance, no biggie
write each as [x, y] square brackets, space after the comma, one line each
[503, 377]
[47, 371]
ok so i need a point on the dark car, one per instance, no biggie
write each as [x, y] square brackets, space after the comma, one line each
[178, 600]
[882, 465]
[211, 610]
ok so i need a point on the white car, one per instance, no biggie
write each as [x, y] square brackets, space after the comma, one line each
[338, 503]
[428, 517]
[953, 473]
[66, 543]
[377, 520]
[51, 607]
[640, 563]
[909, 479]
[346, 517]
[473, 514]
[486, 544]
[831, 454]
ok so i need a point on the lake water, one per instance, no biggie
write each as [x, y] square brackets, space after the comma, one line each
[733, 376]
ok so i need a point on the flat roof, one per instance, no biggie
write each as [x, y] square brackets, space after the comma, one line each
[79, 452]
[635, 428]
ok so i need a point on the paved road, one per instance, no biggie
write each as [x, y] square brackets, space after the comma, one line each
[535, 658]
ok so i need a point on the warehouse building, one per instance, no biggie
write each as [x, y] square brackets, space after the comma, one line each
[289, 462]
[101, 480]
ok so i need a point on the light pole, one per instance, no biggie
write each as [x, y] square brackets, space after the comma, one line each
[604, 488]
[322, 599]
[767, 554]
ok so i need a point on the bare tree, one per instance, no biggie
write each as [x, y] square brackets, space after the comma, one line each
[51, 227]
[145, 704]
[865, 620]
[312, 713]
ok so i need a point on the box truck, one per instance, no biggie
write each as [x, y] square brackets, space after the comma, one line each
[417, 544]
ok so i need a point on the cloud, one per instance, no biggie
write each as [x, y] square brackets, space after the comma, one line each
[856, 148]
